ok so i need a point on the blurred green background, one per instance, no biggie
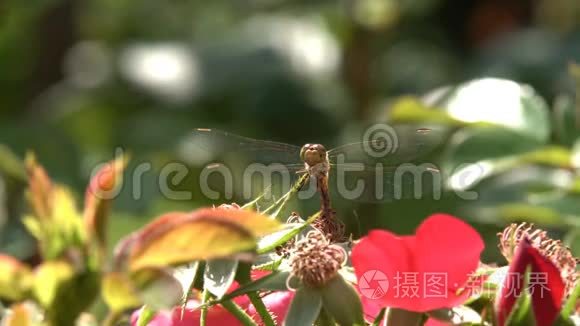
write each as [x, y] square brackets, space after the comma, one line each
[80, 79]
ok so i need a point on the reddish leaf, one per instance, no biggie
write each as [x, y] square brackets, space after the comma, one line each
[40, 188]
[257, 224]
[102, 188]
[178, 238]
[547, 295]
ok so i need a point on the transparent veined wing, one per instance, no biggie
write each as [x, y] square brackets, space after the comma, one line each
[387, 168]
[402, 144]
[243, 167]
[219, 145]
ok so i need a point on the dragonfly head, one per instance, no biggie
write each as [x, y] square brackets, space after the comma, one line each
[313, 154]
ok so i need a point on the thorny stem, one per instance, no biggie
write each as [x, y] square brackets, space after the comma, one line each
[244, 277]
[203, 316]
[239, 313]
[261, 309]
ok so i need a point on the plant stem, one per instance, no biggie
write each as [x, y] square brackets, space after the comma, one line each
[280, 203]
[261, 309]
[401, 317]
[145, 316]
[239, 313]
[203, 315]
[380, 317]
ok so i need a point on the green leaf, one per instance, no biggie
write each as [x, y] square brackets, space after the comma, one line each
[514, 212]
[521, 314]
[499, 102]
[219, 275]
[289, 231]
[275, 209]
[66, 220]
[15, 279]
[158, 288]
[304, 308]
[566, 126]
[342, 302]
[570, 305]
[254, 204]
[188, 277]
[58, 225]
[572, 240]
[119, 292]
[538, 194]
[49, 279]
[411, 110]
[485, 144]
[551, 156]
[11, 166]
[275, 281]
[57, 285]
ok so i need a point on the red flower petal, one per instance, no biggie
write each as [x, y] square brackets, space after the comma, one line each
[546, 286]
[444, 249]
[449, 245]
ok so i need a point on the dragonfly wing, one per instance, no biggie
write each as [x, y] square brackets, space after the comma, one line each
[406, 144]
[249, 167]
[218, 145]
[385, 184]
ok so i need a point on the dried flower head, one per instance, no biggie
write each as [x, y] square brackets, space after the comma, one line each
[554, 250]
[315, 261]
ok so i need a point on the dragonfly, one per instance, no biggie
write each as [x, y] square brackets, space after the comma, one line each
[378, 157]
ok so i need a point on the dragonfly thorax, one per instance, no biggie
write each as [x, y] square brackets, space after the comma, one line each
[313, 155]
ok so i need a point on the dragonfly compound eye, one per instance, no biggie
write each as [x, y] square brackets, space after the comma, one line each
[313, 154]
[319, 148]
[303, 151]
